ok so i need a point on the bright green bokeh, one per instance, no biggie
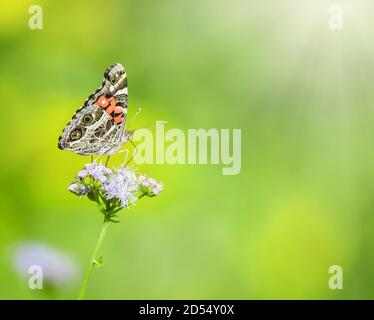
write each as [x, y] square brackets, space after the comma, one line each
[301, 93]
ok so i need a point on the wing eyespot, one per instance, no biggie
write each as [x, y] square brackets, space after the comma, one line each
[76, 134]
[88, 119]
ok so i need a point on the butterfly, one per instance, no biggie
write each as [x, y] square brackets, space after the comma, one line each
[98, 127]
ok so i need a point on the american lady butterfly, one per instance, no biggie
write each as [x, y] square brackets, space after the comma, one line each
[98, 127]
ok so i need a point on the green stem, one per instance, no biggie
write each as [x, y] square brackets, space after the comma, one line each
[93, 259]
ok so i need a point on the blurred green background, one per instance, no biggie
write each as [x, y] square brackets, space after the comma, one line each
[301, 93]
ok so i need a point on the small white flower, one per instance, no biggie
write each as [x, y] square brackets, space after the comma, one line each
[157, 188]
[96, 171]
[78, 189]
[154, 187]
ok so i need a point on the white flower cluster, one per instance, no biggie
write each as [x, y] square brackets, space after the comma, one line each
[122, 185]
[114, 189]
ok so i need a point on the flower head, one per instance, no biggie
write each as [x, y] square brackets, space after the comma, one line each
[122, 185]
[150, 186]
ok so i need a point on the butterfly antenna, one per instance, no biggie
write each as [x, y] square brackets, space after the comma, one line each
[134, 118]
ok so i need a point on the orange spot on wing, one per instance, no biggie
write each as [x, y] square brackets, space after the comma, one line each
[118, 119]
[108, 104]
[118, 110]
[112, 101]
[110, 109]
[112, 105]
[102, 102]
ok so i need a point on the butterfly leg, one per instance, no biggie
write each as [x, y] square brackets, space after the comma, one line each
[133, 154]
[107, 160]
[127, 154]
[95, 160]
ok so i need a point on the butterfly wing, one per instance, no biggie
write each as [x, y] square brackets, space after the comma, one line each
[98, 127]
[89, 131]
